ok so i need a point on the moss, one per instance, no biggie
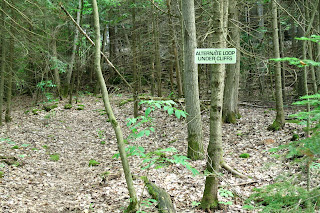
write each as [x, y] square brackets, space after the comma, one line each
[244, 155]
[80, 107]
[49, 107]
[35, 111]
[125, 102]
[230, 118]
[68, 106]
[195, 147]
[295, 137]
[275, 126]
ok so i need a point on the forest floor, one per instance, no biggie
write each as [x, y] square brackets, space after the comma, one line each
[41, 184]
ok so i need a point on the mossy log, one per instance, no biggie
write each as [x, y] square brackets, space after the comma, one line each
[164, 201]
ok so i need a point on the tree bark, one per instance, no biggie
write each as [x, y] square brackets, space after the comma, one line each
[210, 194]
[134, 60]
[191, 88]
[74, 47]
[279, 121]
[133, 207]
[230, 105]
[3, 61]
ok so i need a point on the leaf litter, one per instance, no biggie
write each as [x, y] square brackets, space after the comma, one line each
[70, 185]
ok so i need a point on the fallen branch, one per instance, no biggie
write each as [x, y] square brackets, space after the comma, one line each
[228, 168]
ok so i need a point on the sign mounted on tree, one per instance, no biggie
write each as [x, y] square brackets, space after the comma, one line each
[216, 56]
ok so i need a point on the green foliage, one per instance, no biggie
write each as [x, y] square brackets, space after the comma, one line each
[244, 155]
[58, 64]
[15, 147]
[35, 111]
[283, 197]
[158, 158]
[227, 194]
[55, 157]
[1, 174]
[80, 107]
[166, 105]
[68, 106]
[93, 162]
[149, 203]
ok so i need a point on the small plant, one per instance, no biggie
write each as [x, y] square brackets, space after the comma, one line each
[195, 203]
[15, 147]
[68, 106]
[45, 146]
[102, 142]
[244, 155]
[55, 157]
[35, 111]
[1, 174]
[227, 194]
[149, 203]
[80, 107]
[295, 137]
[93, 163]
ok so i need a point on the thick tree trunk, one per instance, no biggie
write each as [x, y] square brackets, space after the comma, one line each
[191, 88]
[210, 194]
[133, 207]
[279, 121]
[230, 104]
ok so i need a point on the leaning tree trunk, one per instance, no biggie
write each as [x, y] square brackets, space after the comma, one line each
[230, 105]
[210, 194]
[133, 207]
[191, 88]
[279, 121]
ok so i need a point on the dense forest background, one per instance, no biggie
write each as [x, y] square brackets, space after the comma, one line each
[66, 55]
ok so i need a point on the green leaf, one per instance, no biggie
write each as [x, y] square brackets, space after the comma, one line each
[147, 112]
[170, 111]
[140, 134]
[177, 114]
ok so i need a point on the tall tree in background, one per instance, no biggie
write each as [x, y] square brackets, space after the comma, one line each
[210, 194]
[133, 207]
[279, 121]
[134, 59]
[230, 104]
[191, 88]
[3, 60]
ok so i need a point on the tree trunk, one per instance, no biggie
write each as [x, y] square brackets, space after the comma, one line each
[191, 88]
[56, 70]
[9, 79]
[133, 207]
[176, 62]
[157, 53]
[74, 47]
[279, 121]
[210, 194]
[230, 105]
[3, 61]
[134, 60]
